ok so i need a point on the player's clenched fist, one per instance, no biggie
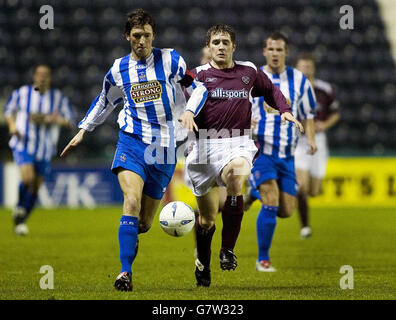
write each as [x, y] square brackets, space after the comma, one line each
[187, 121]
[312, 147]
[77, 139]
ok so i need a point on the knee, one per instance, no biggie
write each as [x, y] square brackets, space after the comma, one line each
[237, 173]
[285, 211]
[240, 167]
[269, 196]
[36, 185]
[29, 181]
[303, 189]
[314, 192]
[207, 224]
[132, 203]
[234, 184]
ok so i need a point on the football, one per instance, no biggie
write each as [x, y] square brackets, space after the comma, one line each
[177, 218]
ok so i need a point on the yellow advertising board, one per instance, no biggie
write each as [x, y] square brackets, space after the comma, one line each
[349, 182]
[359, 182]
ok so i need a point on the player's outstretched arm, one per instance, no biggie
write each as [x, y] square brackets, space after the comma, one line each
[187, 121]
[77, 139]
[271, 93]
[327, 124]
[310, 133]
[289, 117]
[57, 119]
[194, 105]
[12, 128]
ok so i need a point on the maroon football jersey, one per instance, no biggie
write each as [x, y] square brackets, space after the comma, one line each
[326, 102]
[230, 92]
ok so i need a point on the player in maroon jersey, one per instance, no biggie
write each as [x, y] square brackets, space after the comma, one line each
[205, 58]
[223, 151]
[311, 169]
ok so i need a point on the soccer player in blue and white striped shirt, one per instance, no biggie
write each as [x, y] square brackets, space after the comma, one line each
[273, 177]
[148, 83]
[34, 114]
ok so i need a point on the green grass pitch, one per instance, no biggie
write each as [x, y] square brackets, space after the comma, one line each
[82, 247]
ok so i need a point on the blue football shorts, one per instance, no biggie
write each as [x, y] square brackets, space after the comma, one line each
[155, 169]
[280, 169]
[41, 167]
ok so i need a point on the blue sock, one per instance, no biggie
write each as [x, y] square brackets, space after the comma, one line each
[21, 194]
[127, 237]
[28, 203]
[266, 223]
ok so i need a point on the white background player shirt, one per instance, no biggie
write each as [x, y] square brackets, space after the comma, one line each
[276, 139]
[37, 140]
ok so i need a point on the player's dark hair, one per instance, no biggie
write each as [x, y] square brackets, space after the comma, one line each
[138, 17]
[220, 28]
[305, 56]
[277, 35]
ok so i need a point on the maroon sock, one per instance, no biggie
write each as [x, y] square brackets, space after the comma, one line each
[204, 242]
[232, 217]
[196, 214]
[303, 209]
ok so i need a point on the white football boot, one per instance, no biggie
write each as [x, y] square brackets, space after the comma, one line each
[306, 232]
[21, 229]
[264, 266]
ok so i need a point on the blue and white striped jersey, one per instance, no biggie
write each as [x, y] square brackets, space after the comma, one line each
[38, 140]
[150, 93]
[276, 139]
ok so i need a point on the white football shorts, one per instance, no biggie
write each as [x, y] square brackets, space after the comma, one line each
[208, 157]
[315, 164]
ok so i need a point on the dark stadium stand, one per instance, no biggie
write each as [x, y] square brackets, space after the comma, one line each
[88, 37]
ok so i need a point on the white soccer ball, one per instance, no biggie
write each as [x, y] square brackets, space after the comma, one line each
[177, 218]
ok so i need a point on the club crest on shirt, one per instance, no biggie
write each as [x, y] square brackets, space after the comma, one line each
[123, 157]
[257, 174]
[142, 77]
[245, 79]
[145, 92]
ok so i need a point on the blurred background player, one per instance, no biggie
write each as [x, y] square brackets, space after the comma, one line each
[223, 157]
[147, 81]
[273, 177]
[311, 169]
[34, 114]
